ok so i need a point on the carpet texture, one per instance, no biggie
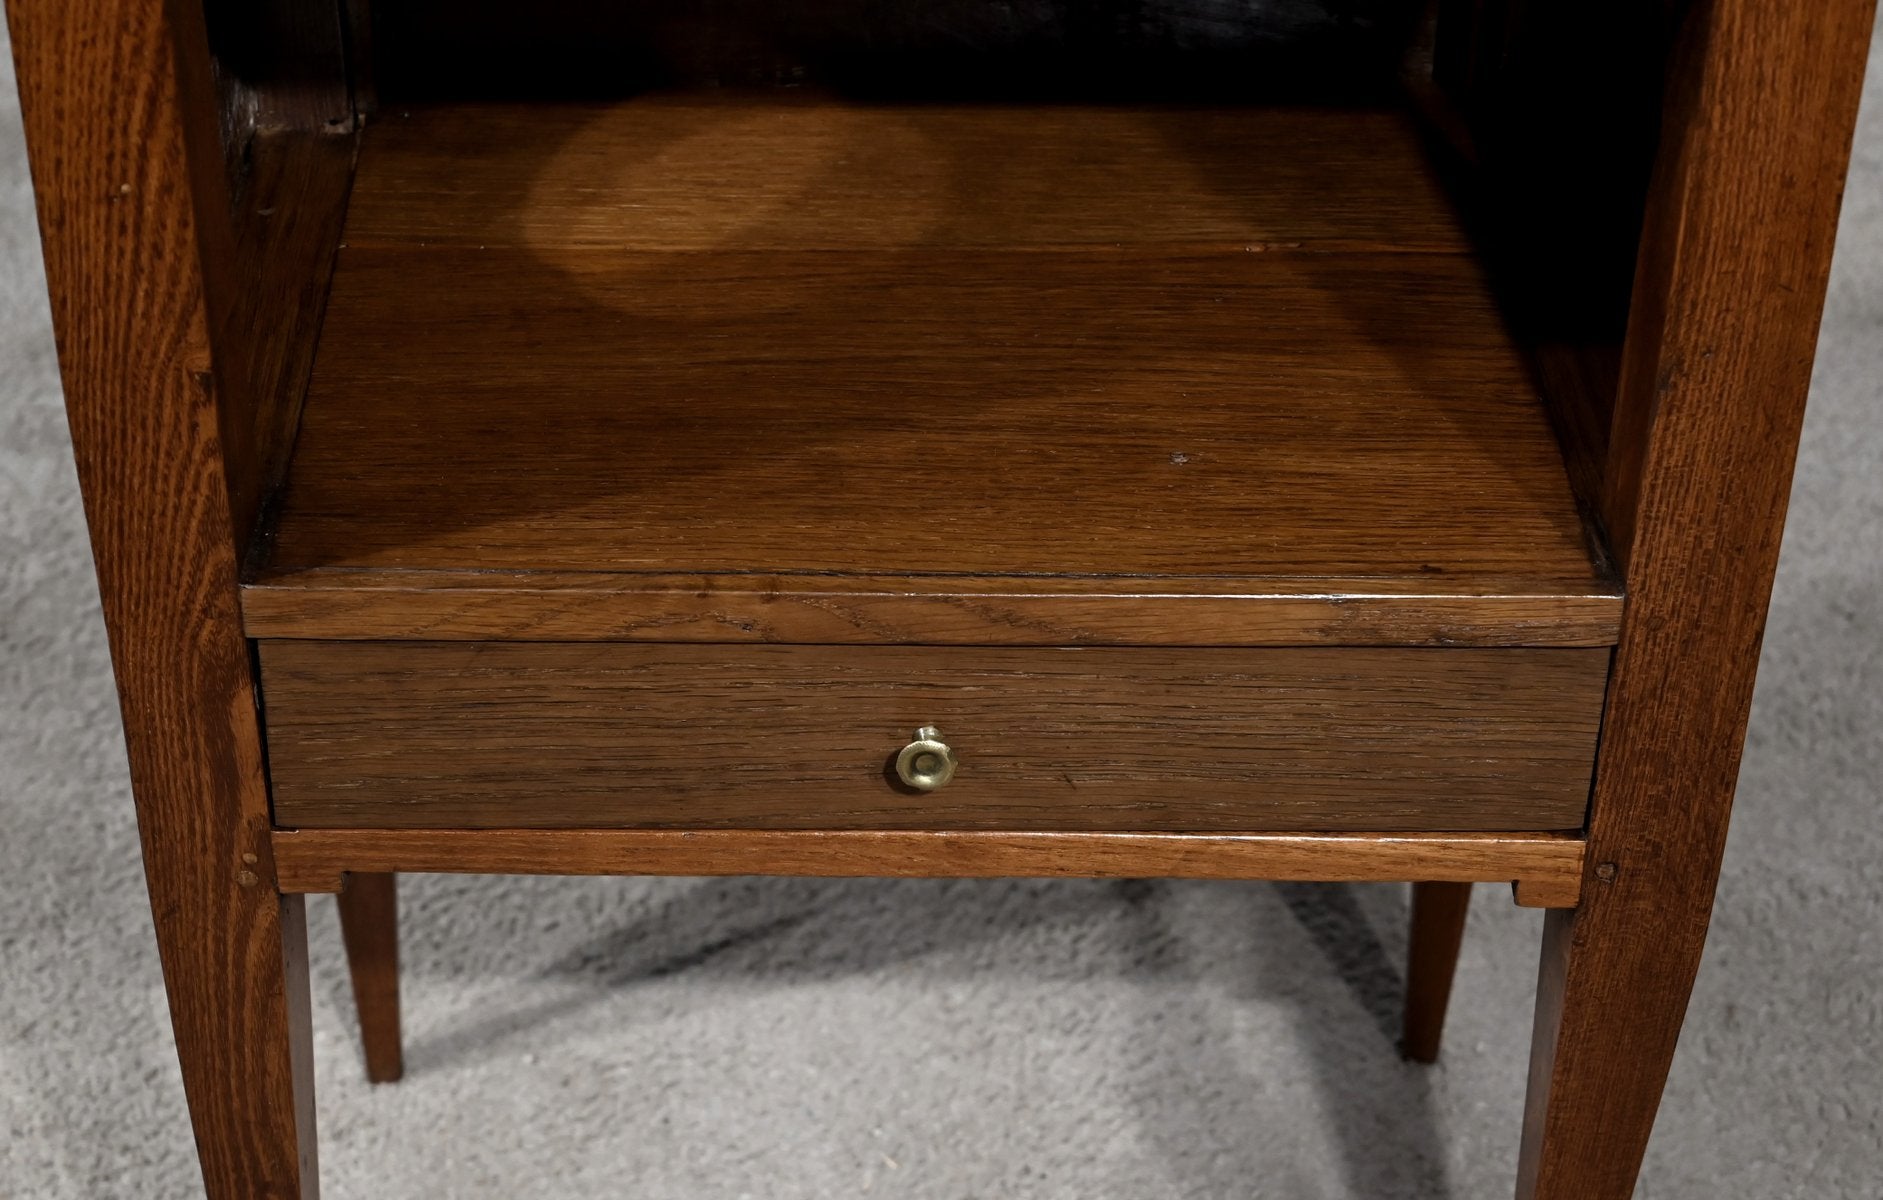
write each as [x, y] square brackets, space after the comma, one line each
[772, 1039]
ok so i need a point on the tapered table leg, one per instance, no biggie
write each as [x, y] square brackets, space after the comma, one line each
[114, 93]
[369, 923]
[1438, 929]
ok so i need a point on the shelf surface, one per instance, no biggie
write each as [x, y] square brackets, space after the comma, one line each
[811, 371]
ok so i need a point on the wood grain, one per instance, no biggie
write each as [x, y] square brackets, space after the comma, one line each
[1438, 930]
[537, 735]
[675, 369]
[947, 412]
[120, 117]
[935, 610]
[289, 208]
[1547, 868]
[272, 185]
[279, 71]
[789, 171]
[369, 925]
[1720, 345]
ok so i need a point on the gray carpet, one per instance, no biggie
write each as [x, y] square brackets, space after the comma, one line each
[777, 1038]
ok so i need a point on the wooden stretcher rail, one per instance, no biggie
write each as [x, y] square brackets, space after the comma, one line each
[1546, 868]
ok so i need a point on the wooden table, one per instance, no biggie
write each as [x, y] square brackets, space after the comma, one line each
[496, 464]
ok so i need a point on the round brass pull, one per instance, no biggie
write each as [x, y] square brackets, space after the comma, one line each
[926, 763]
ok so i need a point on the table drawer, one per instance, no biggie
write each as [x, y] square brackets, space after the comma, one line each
[517, 734]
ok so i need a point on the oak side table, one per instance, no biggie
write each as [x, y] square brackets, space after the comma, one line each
[664, 439]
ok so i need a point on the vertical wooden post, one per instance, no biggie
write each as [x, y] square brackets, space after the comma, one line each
[1438, 931]
[1736, 250]
[369, 925]
[110, 92]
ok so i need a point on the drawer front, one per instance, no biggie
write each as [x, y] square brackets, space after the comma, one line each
[535, 735]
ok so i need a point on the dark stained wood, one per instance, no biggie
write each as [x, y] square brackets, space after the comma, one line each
[539, 735]
[288, 213]
[1429, 77]
[934, 610]
[1569, 121]
[1719, 355]
[928, 50]
[112, 93]
[356, 24]
[1559, 105]
[1438, 930]
[671, 366]
[1579, 374]
[1546, 867]
[1101, 375]
[272, 219]
[280, 65]
[1461, 54]
[369, 924]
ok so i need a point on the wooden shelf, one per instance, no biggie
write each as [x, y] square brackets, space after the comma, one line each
[799, 370]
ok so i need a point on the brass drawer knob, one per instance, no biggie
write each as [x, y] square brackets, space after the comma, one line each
[926, 763]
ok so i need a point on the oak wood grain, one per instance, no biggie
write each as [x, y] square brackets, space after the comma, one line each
[1547, 868]
[536, 735]
[370, 604]
[541, 364]
[945, 412]
[1720, 345]
[120, 120]
[790, 171]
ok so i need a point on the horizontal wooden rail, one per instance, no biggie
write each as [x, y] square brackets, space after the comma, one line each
[370, 605]
[1546, 868]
